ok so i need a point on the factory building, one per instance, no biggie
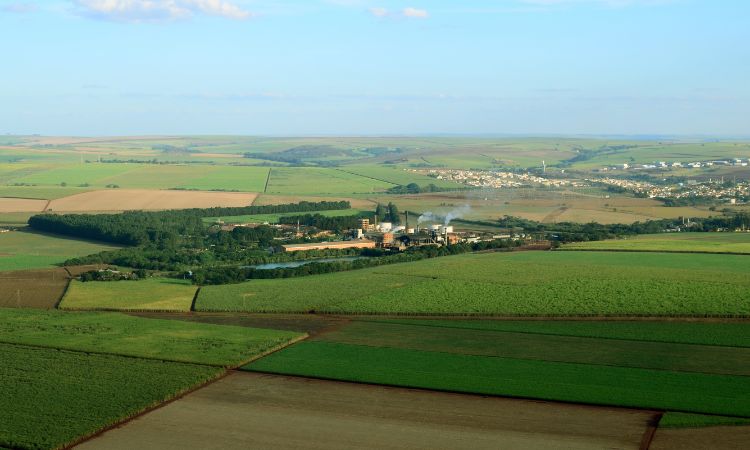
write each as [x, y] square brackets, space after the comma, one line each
[363, 243]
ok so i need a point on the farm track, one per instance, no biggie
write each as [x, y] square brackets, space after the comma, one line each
[551, 217]
[648, 436]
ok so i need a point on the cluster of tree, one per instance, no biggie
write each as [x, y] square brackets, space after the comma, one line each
[111, 274]
[235, 274]
[164, 228]
[387, 213]
[336, 224]
[578, 232]
[414, 188]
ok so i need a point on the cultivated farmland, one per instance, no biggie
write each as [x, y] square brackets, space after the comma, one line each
[51, 398]
[125, 335]
[152, 294]
[676, 377]
[520, 283]
[32, 288]
[673, 242]
[21, 250]
[245, 410]
[142, 199]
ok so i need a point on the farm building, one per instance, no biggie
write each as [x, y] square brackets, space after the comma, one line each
[359, 243]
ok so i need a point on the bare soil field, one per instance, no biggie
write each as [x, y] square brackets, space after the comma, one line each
[8, 205]
[32, 288]
[245, 410]
[145, 199]
[715, 438]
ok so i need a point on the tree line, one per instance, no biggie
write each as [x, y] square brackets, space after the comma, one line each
[166, 228]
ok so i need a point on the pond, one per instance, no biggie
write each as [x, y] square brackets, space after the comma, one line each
[291, 264]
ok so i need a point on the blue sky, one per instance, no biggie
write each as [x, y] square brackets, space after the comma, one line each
[343, 67]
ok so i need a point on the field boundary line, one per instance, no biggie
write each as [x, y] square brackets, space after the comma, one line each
[195, 299]
[268, 179]
[648, 436]
[367, 176]
[271, 350]
[64, 293]
[145, 411]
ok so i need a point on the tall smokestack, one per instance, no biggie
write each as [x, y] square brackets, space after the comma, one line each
[406, 227]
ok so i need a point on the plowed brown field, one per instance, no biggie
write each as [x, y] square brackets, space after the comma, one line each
[246, 410]
[135, 199]
[21, 205]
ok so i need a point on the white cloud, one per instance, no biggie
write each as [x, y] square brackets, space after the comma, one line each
[415, 13]
[409, 13]
[157, 10]
[19, 7]
[379, 12]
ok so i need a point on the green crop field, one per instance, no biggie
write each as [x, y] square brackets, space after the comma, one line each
[673, 242]
[519, 283]
[397, 175]
[40, 192]
[728, 334]
[674, 377]
[51, 398]
[20, 250]
[124, 335]
[77, 174]
[151, 294]
[320, 181]
[688, 420]
[246, 179]
[274, 218]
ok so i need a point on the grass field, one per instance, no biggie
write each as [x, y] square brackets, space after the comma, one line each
[246, 179]
[519, 283]
[40, 192]
[274, 218]
[151, 294]
[321, 181]
[51, 398]
[673, 242]
[675, 377]
[22, 250]
[124, 335]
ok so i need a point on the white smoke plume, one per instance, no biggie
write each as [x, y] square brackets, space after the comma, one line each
[446, 218]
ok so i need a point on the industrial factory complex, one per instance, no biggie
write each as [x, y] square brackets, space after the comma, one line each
[370, 234]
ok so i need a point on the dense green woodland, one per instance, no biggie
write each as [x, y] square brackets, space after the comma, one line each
[162, 227]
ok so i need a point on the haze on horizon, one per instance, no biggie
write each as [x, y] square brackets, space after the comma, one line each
[344, 67]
